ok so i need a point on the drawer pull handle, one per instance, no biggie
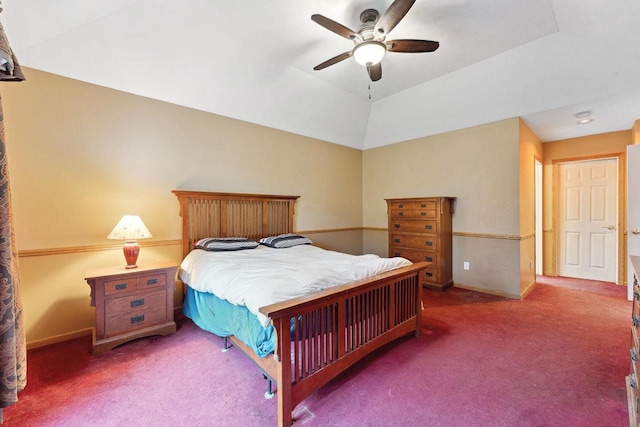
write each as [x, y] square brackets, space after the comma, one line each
[137, 319]
[401, 205]
[400, 213]
[635, 321]
[632, 380]
[428, 227]
[428, 258]
[396, 240]
[429, 274]
[428, 243]
[137, 302]
[423, 213]
[121, 286]
[152, 281]
[396, 225]
[424, 205]
[634, 354]
[396, 254]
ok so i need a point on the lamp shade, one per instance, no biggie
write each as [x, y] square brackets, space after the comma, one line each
[369, 52]
[130, 227]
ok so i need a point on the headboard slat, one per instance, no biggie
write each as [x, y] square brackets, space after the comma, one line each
[253, 216]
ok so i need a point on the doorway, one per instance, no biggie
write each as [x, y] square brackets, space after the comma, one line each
[588, 219]
[538, 215]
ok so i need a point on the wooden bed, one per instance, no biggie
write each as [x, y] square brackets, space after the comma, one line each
[334, 328]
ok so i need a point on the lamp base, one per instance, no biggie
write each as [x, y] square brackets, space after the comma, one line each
[131, 250]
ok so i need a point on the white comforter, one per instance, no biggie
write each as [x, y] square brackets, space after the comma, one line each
[262, 276]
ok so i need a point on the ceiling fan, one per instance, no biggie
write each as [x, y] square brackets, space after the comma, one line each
[370, 44]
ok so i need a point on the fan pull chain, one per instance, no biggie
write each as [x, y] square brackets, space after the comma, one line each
[369, 87]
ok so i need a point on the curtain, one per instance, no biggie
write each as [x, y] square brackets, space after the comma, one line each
[13, 352]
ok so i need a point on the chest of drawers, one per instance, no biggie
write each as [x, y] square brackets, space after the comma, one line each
[132, 303]
[420, 230]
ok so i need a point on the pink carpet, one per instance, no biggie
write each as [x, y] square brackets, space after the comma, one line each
[557, 358]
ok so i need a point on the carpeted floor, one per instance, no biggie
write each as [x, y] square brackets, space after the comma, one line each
[557, 358]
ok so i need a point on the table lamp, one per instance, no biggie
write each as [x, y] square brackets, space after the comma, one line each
[130, 228]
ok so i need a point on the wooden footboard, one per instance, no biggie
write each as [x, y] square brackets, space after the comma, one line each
[335, 328]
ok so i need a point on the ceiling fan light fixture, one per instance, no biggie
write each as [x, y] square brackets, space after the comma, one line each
[369, 52]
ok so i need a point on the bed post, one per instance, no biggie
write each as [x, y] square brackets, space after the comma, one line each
[283, 356]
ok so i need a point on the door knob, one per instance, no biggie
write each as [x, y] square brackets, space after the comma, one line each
[609, 227]
[635, 231]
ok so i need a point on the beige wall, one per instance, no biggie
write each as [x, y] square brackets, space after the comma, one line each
[81, 156]
[588, 147]
[480, 167]
[635, 132]
[530, 151]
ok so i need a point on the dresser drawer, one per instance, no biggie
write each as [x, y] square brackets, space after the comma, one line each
[412, 205]
[431, 274]
[135, 302]
[134, 319]
[426, 242]
[415, 255]
[414, 213]
[414, 226]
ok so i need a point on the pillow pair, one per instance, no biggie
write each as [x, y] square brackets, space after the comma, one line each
[241, 243]
[285, 241]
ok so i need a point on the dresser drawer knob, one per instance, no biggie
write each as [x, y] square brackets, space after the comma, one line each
[428, 227]
[429, 274]
[423, 205]
[137, 302]
[396, 225]
[428, 243]
[137, 319]
[121, 286]
[634, 354]
[396, 240]
[401, 205]
[423, 213]
[400, 213]
[152, 281]
[396, 254]
[428, 258]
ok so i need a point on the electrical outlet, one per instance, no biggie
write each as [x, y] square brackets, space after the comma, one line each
[466, 265]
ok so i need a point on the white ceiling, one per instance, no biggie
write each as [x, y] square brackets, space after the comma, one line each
[542, 60]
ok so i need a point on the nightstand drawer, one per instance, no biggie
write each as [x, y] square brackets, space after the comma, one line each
[122, 285]
[157, 280]
[126, 322]
[135, 302]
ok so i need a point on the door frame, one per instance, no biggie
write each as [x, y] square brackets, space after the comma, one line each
[621, 226]
[538, 191]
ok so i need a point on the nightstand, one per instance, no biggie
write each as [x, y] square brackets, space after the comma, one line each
[131, 303]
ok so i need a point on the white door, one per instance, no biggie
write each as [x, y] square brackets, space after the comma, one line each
[633, 209]
[588, 219]
[538, 215]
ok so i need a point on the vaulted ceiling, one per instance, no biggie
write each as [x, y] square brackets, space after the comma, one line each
[542, 60]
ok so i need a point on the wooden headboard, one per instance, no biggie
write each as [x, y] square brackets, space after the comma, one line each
[253, 216]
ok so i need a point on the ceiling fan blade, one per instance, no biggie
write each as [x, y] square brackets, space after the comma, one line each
[331, 25]
[410, 46]
[392, 16]
[375, 72]
[333, 60]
